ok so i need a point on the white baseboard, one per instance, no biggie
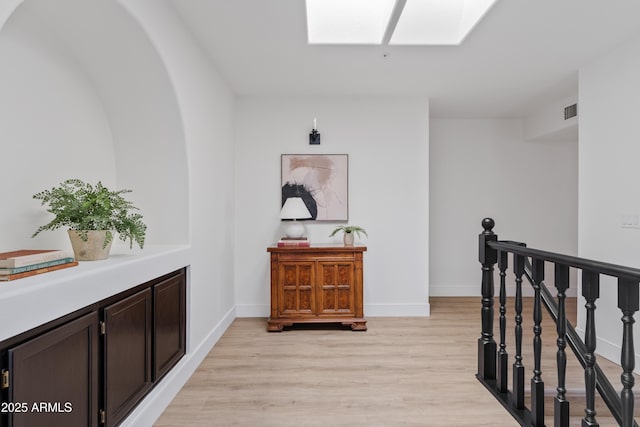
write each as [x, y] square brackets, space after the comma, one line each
[253, 310]
[154, 404]
[397, 310]
[475, 291]
[373, 310]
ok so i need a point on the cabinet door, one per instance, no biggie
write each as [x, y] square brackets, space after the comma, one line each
[295, 287]
[127, 354]
[168, 324]
[336, 288]
[56, 376]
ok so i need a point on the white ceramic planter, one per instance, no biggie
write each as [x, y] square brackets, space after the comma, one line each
[348, 239]
[92, 249]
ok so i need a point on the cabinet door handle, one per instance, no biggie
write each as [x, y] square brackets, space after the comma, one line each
[4, 381]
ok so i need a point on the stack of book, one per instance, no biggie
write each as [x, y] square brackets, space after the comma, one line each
[293, 241]
[29, 262]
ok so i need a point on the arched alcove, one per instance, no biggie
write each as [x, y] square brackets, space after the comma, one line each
[84, 94]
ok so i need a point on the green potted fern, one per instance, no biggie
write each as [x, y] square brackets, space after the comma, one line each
[93, 213]
[349, 231]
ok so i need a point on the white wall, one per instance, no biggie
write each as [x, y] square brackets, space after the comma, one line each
[388, 146]
[484, 168]
[206, 107]
[124, 81]
[609, 177]
[133, 100]
[50, 117]
[547, 123]
[205, 103]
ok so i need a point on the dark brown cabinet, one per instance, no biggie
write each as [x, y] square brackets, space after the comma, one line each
[127, 354]
[54, 377]
[168, 324]
[92, 367]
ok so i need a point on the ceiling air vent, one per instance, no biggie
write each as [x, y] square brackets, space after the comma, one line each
[570, 111]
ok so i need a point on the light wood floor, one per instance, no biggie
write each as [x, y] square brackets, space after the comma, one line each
[401, 372]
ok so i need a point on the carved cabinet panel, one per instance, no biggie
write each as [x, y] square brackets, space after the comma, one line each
[297, 297]
[316, 284]
[336, 288]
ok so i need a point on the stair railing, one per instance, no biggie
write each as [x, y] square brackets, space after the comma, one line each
[493, 358]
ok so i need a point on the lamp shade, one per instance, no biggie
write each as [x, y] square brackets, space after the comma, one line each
[294, 208]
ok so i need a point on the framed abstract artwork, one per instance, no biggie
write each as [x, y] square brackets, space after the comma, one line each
[322, 180]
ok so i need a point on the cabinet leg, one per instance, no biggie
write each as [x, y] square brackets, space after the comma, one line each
[360, 325]
[274, 327]
[277, 325]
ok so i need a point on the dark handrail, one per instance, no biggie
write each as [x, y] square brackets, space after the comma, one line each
[572, 261]
[492, 252]
[606, 390]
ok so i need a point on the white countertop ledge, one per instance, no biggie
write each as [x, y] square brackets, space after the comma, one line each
[32, 301]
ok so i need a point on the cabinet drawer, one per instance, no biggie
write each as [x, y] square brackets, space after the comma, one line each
[322, 256]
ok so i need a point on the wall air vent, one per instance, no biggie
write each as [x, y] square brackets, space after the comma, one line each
[570, 111]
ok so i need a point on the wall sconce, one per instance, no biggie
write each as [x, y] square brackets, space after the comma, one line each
[314, 136]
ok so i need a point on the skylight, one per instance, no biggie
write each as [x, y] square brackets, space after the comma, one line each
[439, 22]
[396, 22]
[348, 21]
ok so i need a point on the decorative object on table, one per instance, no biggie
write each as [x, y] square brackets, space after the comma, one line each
[23, 257]
[349, 231]
[29, 262]
[321, 180]
[293, 242]
[314, 136]
[294, 209]
[92, 212]
[29, 273]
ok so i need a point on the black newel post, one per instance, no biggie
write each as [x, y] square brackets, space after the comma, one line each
[561, 404]
[486, 344]
[590, 292]
[628, 300]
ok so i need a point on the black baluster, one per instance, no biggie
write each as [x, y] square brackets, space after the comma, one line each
[591, 292]
[537, 385]
[627, 302]
[486, 344]
[518, 367]
[561, 404]
[503, 356]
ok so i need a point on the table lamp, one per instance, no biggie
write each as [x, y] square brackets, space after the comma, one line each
[294, 209]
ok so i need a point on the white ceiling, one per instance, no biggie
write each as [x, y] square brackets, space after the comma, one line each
[524, 54]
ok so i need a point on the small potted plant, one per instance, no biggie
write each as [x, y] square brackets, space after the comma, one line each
[349, 231]
[92, 213]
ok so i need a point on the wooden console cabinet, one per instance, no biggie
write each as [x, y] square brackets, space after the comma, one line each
[317, 284]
